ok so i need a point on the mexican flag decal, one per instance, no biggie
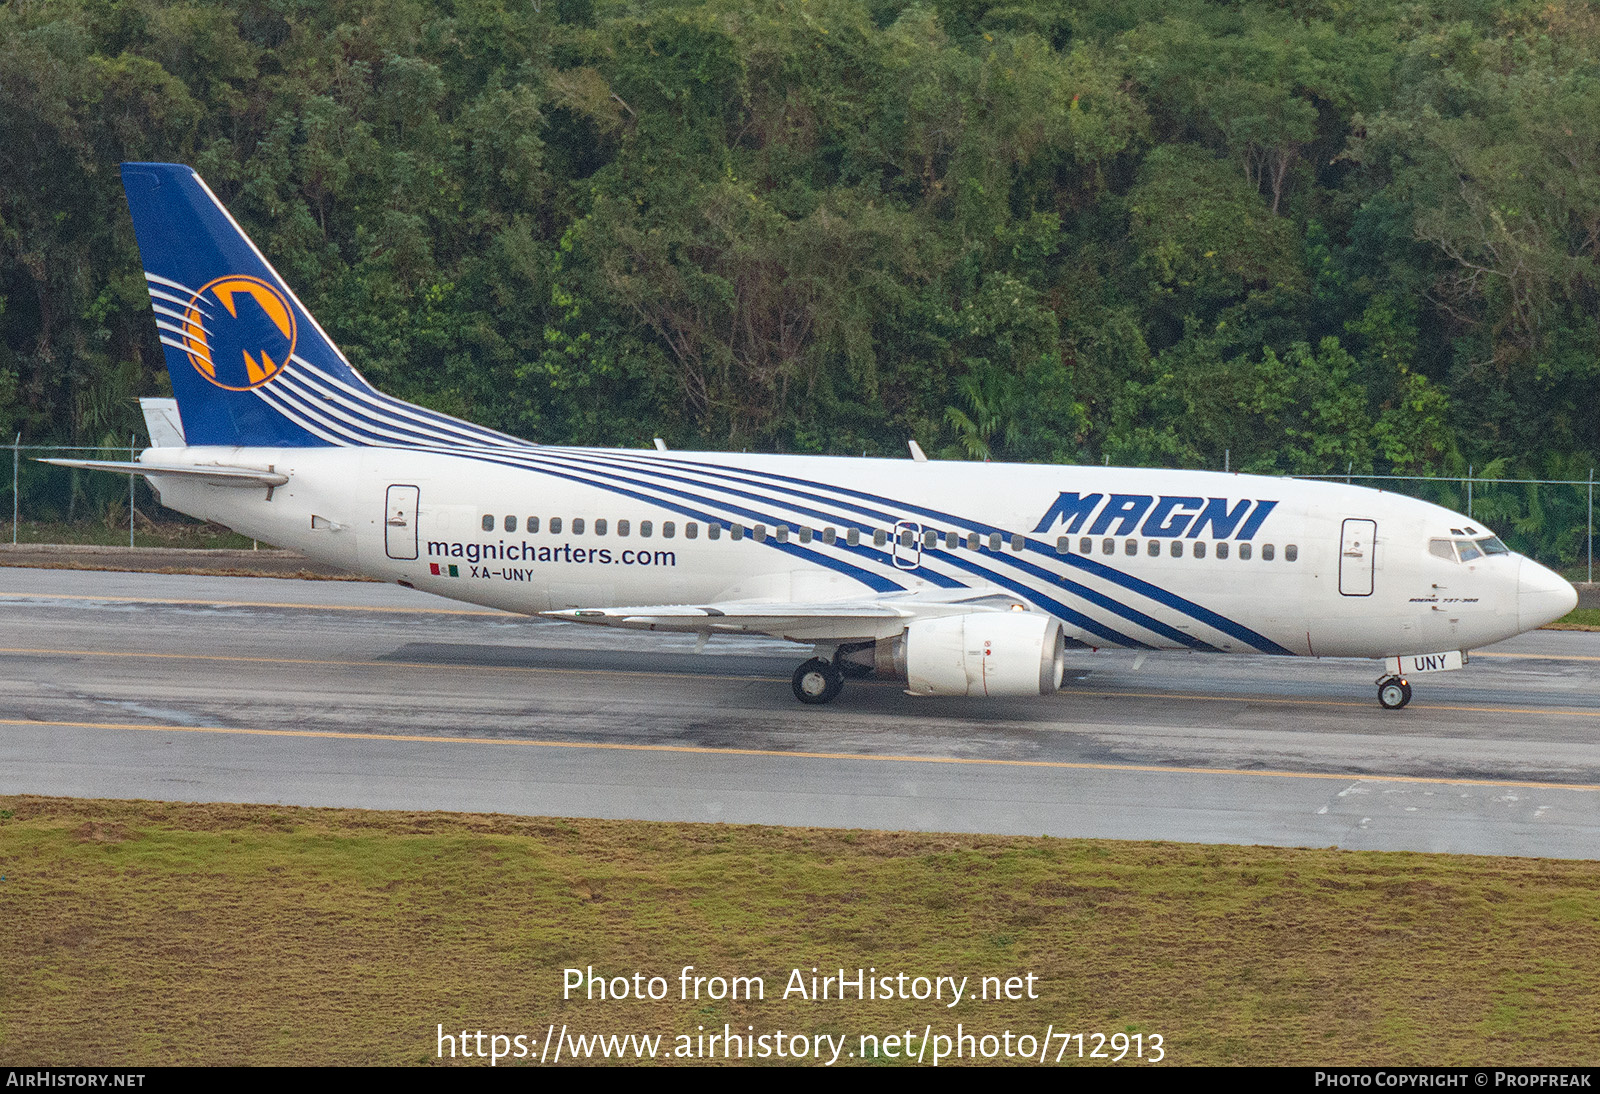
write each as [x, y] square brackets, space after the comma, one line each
[434, 568]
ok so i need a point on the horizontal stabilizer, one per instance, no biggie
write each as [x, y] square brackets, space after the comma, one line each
[221, 476]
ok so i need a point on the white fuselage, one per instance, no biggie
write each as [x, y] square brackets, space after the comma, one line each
[1118, 554]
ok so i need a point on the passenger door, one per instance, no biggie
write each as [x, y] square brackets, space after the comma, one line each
[1357, 555]
[400, 522]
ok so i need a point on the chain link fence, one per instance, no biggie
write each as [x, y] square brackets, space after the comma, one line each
[97, 505]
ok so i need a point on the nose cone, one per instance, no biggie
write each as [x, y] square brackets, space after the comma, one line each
[1543, 596]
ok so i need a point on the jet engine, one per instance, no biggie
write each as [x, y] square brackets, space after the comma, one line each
[985, 654]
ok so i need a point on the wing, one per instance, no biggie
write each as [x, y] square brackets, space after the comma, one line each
[821, 621]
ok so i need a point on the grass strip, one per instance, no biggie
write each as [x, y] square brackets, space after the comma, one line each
[154, 933]
[1579, 619]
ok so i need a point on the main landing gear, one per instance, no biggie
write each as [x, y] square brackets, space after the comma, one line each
[818, 681]
[1393, 692]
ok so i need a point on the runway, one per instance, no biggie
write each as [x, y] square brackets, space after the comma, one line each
[364, 695]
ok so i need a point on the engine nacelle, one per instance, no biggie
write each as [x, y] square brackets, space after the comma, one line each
[986, 654]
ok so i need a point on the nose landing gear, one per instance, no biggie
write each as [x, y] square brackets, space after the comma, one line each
[1394, 692]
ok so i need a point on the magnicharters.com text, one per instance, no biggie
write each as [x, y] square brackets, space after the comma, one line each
[815, 985]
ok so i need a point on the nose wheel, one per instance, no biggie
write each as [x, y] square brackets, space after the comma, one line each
[1393, 692]
[817, 682]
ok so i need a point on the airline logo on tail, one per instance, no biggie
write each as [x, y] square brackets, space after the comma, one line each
[238, 332]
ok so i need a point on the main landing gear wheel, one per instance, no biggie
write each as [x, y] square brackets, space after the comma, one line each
[817, 681]
[1393, 693]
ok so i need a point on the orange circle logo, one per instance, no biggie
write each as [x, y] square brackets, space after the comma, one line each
[238, 332]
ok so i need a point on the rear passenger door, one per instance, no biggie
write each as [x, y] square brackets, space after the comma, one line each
[400, 522]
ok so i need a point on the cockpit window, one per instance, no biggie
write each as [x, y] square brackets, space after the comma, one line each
[1467, 550]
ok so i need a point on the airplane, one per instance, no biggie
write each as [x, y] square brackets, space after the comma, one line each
[960, 579]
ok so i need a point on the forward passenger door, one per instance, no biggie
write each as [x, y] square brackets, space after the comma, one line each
[1357, 556]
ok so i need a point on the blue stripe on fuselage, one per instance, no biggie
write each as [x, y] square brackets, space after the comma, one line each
[964, 561]
[1133, 584]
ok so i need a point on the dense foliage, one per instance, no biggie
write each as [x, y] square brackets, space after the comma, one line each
[1315, 235]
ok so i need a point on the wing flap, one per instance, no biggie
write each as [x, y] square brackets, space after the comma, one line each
[800, 621]
[838, 620]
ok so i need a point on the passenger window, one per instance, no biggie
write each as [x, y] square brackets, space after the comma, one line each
[668, 529]
[736, 531]
[622, 527]
[805, 535]
[973, 541]
[555, 526]
[783, 533]
[1177, 548]
[905, 537]
[713, 531]
[1064, 545]
[511, 524]
[577, 526]
[1267, 552]
[645, 528]
[488, 522]
[1086, 546]
[829, 536]
[691, 530]
[1018, 541]
[600, 526]
[879, 537]
[533, 524]
[930, 538]
[1131, 547]
[759, 533]
[853, 537]
[1199, 548]
[1108, 547]
[1291, 553]
[1222, 550]
[952, 540]
[1244, 551]
[1153, 548]
[994, 541]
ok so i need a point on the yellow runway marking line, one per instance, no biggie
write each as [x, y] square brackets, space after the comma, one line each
[1154, 769]
[260, 604]
[1062, 694]
[1256, 699]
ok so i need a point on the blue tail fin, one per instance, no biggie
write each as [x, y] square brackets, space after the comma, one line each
[249, 365]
